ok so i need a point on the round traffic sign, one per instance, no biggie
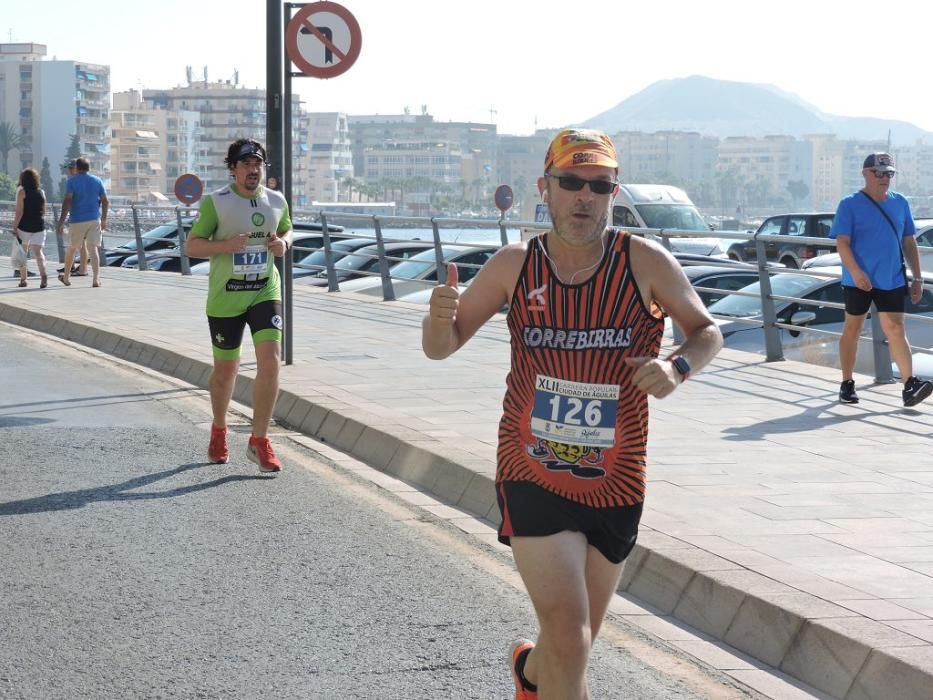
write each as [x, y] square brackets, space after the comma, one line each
[504, 198]
[323, 39]
[188, 188]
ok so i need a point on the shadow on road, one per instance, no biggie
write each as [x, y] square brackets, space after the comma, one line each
[71, 500]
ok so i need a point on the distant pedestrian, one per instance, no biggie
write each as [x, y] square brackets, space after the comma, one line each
[241, 227]
[875, 235]
[272, 182]
[80, 261]
[586, 320]
[29, 223]
[85, 207]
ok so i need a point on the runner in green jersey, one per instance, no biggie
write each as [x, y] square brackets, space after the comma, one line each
[241, 227]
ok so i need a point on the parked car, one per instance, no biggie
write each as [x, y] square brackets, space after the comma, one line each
[306, 237]
[364, 260]
[162, 237]
[163, 261]
[663, 207]
[924, 243]
[800, 345]
[420, 271]
[724, 277]
[809, 225]
[311, 264]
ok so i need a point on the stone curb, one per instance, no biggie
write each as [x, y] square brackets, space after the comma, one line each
[800, 634]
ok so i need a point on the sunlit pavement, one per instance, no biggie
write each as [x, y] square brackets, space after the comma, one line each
[796, 529]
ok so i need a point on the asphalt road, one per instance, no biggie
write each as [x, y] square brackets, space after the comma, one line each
[131, 568]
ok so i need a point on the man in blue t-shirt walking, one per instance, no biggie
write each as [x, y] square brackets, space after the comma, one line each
[875, 235]
[86, 207]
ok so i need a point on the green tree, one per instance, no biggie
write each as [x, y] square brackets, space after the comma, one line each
[352, 184]
[45, 177]
[798, 191]
[7, 188]
[10, 140]
[73, 153]
[729, 184]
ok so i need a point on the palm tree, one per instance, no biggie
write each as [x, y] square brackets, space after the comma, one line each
[10, 140]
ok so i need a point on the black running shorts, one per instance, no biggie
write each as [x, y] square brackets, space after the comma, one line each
[265, 323]
[531, 511]
[858, 300]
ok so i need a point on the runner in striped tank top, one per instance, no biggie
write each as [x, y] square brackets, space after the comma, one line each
[586, 320]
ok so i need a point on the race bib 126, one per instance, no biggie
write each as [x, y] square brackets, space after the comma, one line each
[574, 413]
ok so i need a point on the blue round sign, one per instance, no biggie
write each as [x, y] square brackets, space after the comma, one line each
[188, 188]
[504, 198]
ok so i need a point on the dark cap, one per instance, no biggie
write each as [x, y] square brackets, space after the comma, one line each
[880, 161]
[250, 149]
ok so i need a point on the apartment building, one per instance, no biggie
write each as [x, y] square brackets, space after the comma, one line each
[150, 148]
[520, 163]
[675, 157]
[50, 101]
[228, 111]
[767, 166]
[330, 158]
[414, 156]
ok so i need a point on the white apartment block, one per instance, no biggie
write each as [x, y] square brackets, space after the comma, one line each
[150, 148]
[228, 111]
[415, 156]
[519, 165]
[50, 101]
[767, 165]
[330, 161]
[676, 157]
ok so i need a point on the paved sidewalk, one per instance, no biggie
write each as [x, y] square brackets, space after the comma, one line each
[795, 529]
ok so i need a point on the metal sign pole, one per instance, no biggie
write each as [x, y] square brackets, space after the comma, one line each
[287, 277]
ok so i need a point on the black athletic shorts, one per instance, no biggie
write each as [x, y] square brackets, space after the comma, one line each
[264, 320]
[887, 300]
[531, 511]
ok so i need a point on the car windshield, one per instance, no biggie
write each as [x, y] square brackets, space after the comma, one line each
[318, 259]
[678, 216]
[785, 285]
[154, 236]
[358, 259]
[419, 265]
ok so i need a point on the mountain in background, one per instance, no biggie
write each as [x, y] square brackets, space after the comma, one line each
[725, 108]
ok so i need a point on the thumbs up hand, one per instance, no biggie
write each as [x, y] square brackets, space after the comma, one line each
[445, 299]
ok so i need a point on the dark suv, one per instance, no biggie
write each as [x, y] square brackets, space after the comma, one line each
[788, 254]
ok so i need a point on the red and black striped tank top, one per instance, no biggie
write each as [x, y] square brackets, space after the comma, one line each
[572, 422]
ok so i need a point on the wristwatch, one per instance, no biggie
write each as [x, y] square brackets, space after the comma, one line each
[680, 364]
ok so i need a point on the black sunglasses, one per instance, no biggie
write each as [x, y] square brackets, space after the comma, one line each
[575, 184]
[883, 173]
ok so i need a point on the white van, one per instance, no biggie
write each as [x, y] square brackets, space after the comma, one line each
[664, 207]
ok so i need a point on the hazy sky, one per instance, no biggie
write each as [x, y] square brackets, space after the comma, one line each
[533, 63]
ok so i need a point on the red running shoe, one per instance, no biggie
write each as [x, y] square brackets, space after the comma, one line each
[217, 451]
[520, 651]
[260, 451]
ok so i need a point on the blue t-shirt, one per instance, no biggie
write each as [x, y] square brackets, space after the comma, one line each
[85, 190]
[875, 245]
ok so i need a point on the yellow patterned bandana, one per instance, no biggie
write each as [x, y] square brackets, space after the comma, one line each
[573, 148]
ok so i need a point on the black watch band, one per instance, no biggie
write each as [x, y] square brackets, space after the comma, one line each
[682, 367]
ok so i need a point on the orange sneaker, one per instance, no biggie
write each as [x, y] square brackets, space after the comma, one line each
[217, 451]
[260, 451]
[517, 659]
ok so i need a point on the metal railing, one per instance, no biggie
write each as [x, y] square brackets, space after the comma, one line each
[135, 221]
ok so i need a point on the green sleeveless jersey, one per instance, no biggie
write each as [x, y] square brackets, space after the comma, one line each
[241, 280]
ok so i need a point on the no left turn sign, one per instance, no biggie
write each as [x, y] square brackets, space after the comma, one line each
[323, 39]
